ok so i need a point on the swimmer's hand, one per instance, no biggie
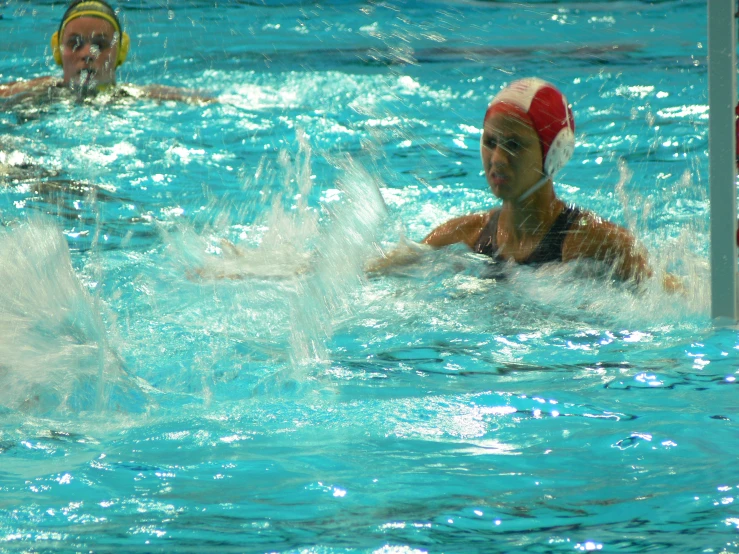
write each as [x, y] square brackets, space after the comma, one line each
[230, 250]
[672, 283]
[406, 253]
[238, 263]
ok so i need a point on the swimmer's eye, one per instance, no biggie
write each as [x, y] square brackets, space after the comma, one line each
[490, 142]
[101, 43]
[97, 44]
[509, 146]
[74, 43]
[512, 146]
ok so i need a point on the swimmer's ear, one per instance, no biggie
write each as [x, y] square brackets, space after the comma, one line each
[123, 49]
[55, 51]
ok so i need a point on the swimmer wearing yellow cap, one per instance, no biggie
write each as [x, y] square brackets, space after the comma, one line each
[89, 45]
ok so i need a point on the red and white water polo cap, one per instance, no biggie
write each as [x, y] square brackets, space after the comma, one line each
[545, 108]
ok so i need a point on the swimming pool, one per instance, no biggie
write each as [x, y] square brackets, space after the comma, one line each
[304, 406]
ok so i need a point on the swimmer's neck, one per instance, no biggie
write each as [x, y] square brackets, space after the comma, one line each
[535, 213]
[86, 92]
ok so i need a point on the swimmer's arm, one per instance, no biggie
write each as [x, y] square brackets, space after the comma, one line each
[598, 239]
[161, 92]
[464, 229]
[11, 89]
[602, 240]
[406, 253]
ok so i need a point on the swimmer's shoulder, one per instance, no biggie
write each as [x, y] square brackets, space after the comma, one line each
[591, 236]
[17, 87]
[466, 229]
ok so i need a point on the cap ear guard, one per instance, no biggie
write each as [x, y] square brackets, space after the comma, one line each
[560, 151]
[123, 47]
[55, 51]
[545, 109]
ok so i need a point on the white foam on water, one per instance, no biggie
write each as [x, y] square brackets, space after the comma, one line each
[682, 256]
[54, 349]
[338, 264]
[318, 255]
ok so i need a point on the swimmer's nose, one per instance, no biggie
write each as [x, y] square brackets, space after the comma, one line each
[89, 52]
[500, 156]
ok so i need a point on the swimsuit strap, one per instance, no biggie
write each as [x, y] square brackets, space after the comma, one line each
[487, 242]
[549, 248]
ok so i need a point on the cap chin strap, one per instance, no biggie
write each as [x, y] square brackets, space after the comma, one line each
[536, 186]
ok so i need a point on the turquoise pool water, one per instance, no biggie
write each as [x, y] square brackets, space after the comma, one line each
[149, 406]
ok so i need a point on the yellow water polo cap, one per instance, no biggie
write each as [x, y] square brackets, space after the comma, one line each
[90, 8]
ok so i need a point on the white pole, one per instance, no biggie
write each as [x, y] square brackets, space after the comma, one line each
[722, 150]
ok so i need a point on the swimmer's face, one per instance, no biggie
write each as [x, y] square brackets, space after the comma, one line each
[511, 155]
[89, 50]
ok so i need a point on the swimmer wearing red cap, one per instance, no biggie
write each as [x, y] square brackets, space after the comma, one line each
[90, 45]
[528, 136]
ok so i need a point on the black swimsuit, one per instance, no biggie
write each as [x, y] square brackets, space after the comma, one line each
[548, 250]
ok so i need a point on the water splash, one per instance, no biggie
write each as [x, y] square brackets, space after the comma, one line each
[342, 251]
[316, 255]
[54, 347]
[682, 253]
